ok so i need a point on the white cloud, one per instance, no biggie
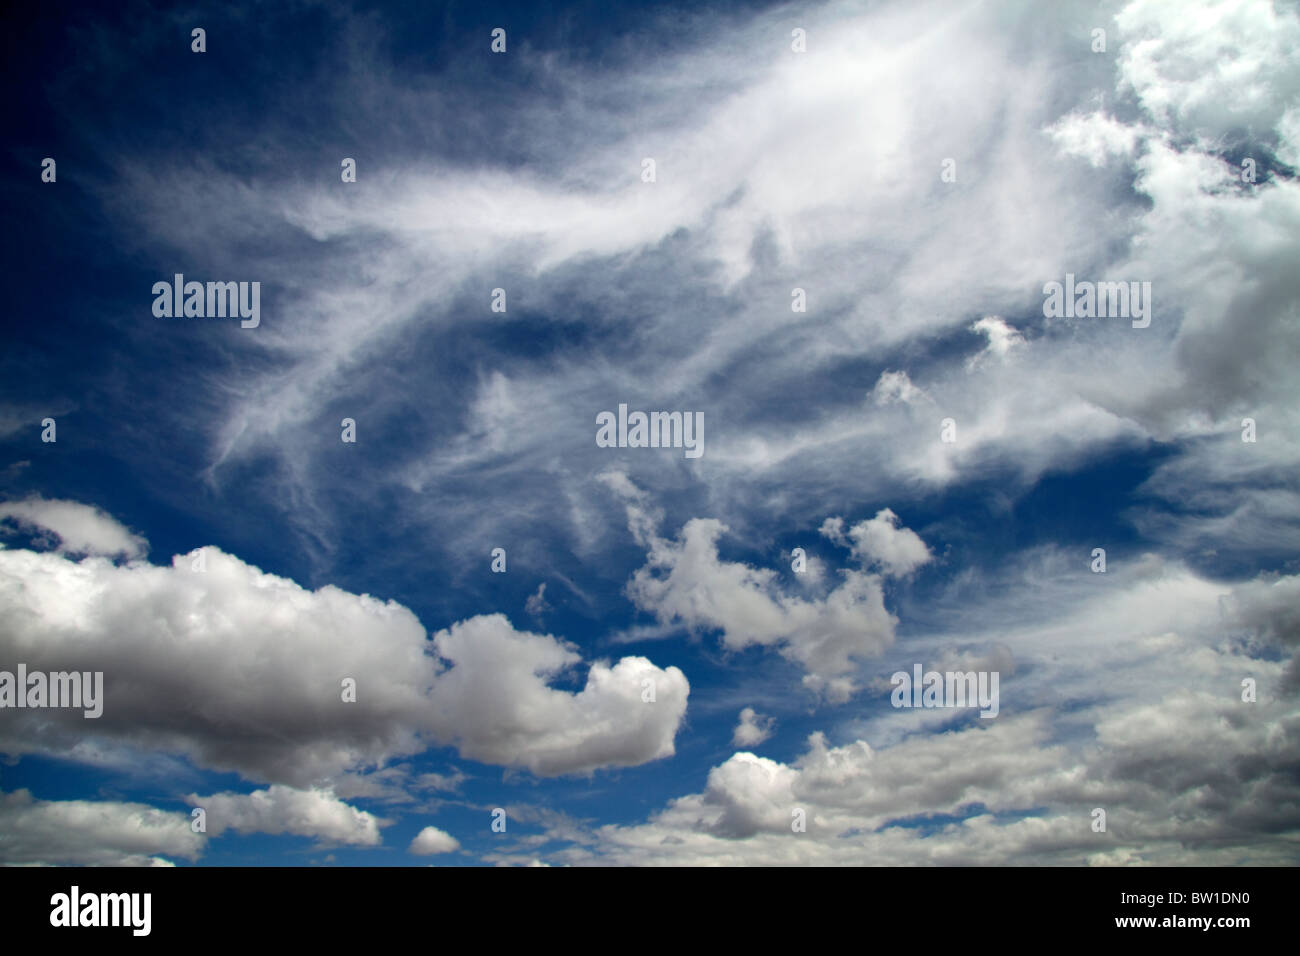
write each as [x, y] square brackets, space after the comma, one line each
[279, 809]
[753, 728]
[894, 387]
[92, 833]
[728, 231]
[1122, 693]
[536, 603]
[241, 670]
[1002, 338]
[431, 840]
[881, 542]
[495, 705]
[80, 528]
[1094, 136]
[684, 582]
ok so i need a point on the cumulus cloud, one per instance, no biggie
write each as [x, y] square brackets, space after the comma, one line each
[1170, 773]
[92, 833]
[79, 528]
[431, 841]
[686, 583]
[1162, 802]
[1126, 698]
[241, 670]
[753, 728]
[879, 541]
[280, 809]
[494, 702]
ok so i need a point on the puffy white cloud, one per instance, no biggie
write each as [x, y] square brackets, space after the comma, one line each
[1170, 798]
[881, 542]
[431, 840]
[753, 728]
[80, 528]
[92, 833]
[1226, 66]
[1125, 697]
[280, 809]
[495, 705]
[685, 582]
[241, 670]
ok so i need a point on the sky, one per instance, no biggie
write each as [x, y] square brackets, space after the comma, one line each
[824, 232]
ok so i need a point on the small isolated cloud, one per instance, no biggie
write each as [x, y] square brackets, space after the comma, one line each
[881, 542]
[753, 729]
[431, 840]
[80, 528]
[536, 603]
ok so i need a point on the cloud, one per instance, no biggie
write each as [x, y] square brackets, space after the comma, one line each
[241, 670]
[881, 542]
[495, 705]
[1000, 794]
[80, 528]
[753, 729]
[894, 387]
[1002, 338]
[431, 841]
[1126, 166]
[279, 809]
[1123, 694]
[1093, 136]
[92, 833]
[536, 604]
[684, 582]
[580, 241]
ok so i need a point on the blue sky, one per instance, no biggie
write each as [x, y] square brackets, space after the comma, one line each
[775, 170]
